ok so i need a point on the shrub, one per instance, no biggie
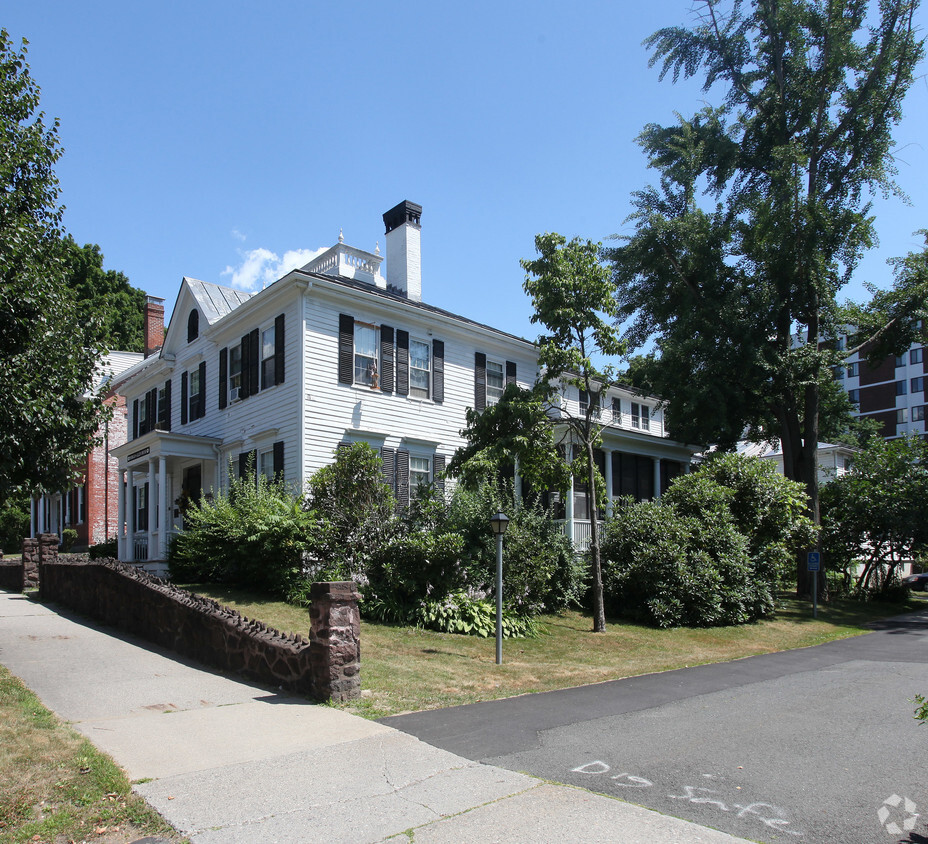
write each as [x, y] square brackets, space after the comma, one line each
[671, 570]
[104, 550]
[352, 511]
[68, 538]
[767, 508]
[14, 523]
[252, 535]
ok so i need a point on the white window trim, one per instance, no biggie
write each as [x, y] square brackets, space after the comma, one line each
[428, 376]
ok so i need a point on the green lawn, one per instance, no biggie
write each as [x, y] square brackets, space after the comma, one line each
[405, 669]
[55, 786]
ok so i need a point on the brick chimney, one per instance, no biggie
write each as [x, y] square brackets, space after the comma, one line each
[154, 325]
[404, 252]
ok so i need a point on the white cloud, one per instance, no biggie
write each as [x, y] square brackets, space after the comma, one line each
[238, 235]
[261, 267]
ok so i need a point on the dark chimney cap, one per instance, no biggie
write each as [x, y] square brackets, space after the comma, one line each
[405, 212]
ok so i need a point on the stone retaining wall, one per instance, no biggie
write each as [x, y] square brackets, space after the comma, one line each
[327, 666]
[12, 577]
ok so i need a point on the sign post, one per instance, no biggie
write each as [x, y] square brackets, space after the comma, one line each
[815, 563]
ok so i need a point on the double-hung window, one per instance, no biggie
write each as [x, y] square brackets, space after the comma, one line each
[268, 347]
[915, 355]
[235, 372]
[365, 354]
[419, 472]
[641, 416]
[496, 381]
[901, 388]
[419, 368]
[918, 413]
[617, 411]
[918, 384]
[901, 416]
[195, 394]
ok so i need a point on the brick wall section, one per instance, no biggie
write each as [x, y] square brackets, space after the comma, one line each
[12, 575]
[325, 667]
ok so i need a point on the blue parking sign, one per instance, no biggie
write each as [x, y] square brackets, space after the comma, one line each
[815, 560]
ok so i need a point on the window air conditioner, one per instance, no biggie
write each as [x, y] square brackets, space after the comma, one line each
[234, 393]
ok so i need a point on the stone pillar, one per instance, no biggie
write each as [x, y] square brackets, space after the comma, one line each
[30, 563]
[335, 640]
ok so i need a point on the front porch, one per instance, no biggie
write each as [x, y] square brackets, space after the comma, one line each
[158, 472]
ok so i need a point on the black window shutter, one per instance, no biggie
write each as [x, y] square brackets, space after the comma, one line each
[243, 389]
[386, 359]
[438, 370]
[402, 478]
[438, 472]
[201, 399]
[345, 349]
[510, 372]
[402, 362]
[279, 349]
[223, 378]
[167, 405]
[480, 381]
[279, 460]
[183, 399]
[135, 419]
[152, 408]
[243, 464]
[388, 458]
[254, 362]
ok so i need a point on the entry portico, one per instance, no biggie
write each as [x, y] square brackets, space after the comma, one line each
[160, 467]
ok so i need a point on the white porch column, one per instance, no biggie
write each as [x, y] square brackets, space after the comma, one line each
[121, 517]
[657, 478]
[40, 514]
[163, 520]
[608, 453]
[130, 517]
[152, 510]
[569, 510]
[33, 505]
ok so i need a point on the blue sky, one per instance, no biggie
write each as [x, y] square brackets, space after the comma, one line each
[211, 139]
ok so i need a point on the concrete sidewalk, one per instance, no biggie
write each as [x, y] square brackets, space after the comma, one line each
[228, 761]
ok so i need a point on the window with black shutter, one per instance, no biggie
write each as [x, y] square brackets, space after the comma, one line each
[438, 371]
[201, 399]
[510, 372]
[279, 460]
[402, 362]
[135, 419]
[402, 478]
[183, 397]
[480, 381]
[223, 378]
[388, 459]
[438, 472]
[279, 349]
[345, 349]
[387, 369]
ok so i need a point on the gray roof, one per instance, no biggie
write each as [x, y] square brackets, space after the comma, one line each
[215, 301]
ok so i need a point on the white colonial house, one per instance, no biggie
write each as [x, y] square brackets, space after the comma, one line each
[331, 354]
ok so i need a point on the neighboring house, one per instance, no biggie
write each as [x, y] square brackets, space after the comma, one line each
[330, 354]
[892, 393]
[89, 507]
[833, 460]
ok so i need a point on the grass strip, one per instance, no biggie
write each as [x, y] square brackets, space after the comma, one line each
[406, 669]
[56, 787]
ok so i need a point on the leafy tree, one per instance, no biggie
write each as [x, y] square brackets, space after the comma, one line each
[14, 522]
[876, 516]
[105, 298]
[352, 508]
[47, 358]
[573, 298]
[516, 430]
[763, 212]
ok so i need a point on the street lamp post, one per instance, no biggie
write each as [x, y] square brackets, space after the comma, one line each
[499, 523]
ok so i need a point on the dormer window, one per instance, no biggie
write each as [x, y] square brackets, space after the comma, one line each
[193, 325]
